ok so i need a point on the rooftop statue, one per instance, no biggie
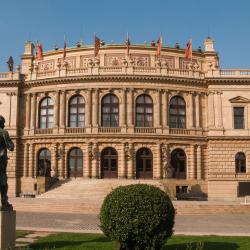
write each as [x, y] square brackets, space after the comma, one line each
[10, 63]
[5, 143]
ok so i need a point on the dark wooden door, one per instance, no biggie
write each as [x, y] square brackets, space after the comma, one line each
[144, 164]
[109, 168]
[75, 168]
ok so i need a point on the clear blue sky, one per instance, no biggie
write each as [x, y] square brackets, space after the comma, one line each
[227, 21]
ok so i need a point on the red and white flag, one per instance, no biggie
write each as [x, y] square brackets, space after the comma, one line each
[159, 45]
[39, 51]
[64, 48]
[127, 42]
[97, 45]
[188, 51]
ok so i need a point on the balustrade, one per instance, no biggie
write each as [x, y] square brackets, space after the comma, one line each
[75, 130]
[109, 130]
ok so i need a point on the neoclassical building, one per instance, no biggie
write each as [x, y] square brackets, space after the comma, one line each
[129, 116]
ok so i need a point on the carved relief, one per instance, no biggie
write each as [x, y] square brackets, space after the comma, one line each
[141, 60]
[185, 63]
[70, 61]
[115, 60]
[85, 60]
[168, 61]
[46, 66]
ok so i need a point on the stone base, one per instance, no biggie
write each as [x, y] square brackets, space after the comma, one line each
[7, 229]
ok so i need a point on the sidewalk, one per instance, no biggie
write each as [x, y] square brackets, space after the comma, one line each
[233, 225]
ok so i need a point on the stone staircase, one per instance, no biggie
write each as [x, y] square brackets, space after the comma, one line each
[85, 196]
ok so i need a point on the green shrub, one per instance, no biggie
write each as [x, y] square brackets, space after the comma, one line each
[139, 216]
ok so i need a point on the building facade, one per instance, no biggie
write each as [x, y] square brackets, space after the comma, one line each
[128, 116]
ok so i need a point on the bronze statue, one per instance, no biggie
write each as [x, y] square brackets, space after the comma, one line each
[5, 143]
[10, 63]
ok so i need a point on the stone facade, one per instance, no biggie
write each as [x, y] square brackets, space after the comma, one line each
[208, 139]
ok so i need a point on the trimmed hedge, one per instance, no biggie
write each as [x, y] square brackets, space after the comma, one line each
[140, 216]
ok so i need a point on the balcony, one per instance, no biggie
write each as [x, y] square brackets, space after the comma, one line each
[109, 130]
[43, 131]
[9, 76]
[75, 130]
[145, 130]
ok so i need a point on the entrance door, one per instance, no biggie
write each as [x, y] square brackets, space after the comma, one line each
[75, 168]
[144, 164]
[109, 160]
[178, 162]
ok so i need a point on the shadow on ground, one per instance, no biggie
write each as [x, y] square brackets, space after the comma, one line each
[202, 246]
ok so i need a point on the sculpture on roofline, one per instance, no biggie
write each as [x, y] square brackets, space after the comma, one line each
[5, 143]
[10, 64]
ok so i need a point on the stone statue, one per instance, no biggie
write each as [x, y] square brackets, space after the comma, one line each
[168, 169]
[5, 143]
[10, 63]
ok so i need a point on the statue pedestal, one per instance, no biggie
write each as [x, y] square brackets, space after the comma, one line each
[7, 229]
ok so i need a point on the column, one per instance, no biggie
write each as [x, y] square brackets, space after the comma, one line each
[33, 111]
[95, 102]
[191, 109]
[130, 161]
[197, 110]
[62, 109]
[122, 165]
[31, 160]
[165, 109]
[130, 109]
[57, 108]
[199, 165]
[27, 122]
[25, 160]
[87, 162]
[88, 107]
[95, 169]
[157, 163]
[219, 120]
[55, 169]
[191, 167]
[61, 161]
[211, 110]
[122, 110]
[65, 159]
[157, 110]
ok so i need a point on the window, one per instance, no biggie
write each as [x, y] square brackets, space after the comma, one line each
[110, 111]
[76, 112]
[177, 112]
[240, 163]
[44, 163]
[144, 111]
[238, 117]
[46, 113]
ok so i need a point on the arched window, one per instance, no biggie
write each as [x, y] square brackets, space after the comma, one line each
[44, 163]
[110, 111]
[46, 113]
[240, 163]
[76, 111]
[109, 163]
[144, 111]
[75, 163]
[177, 112]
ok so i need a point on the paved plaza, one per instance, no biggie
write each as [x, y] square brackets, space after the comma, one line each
[88, 223]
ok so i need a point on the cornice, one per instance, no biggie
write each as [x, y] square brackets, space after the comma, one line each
[10, 83]
[228, 81]
[120, 78]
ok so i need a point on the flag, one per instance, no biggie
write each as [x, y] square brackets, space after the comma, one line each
[97, 43]
[188, 51]
[39, 51]
[127, 42]
[159, 44]
[64, 48]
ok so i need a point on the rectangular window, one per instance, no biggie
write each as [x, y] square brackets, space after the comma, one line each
[238, 117]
